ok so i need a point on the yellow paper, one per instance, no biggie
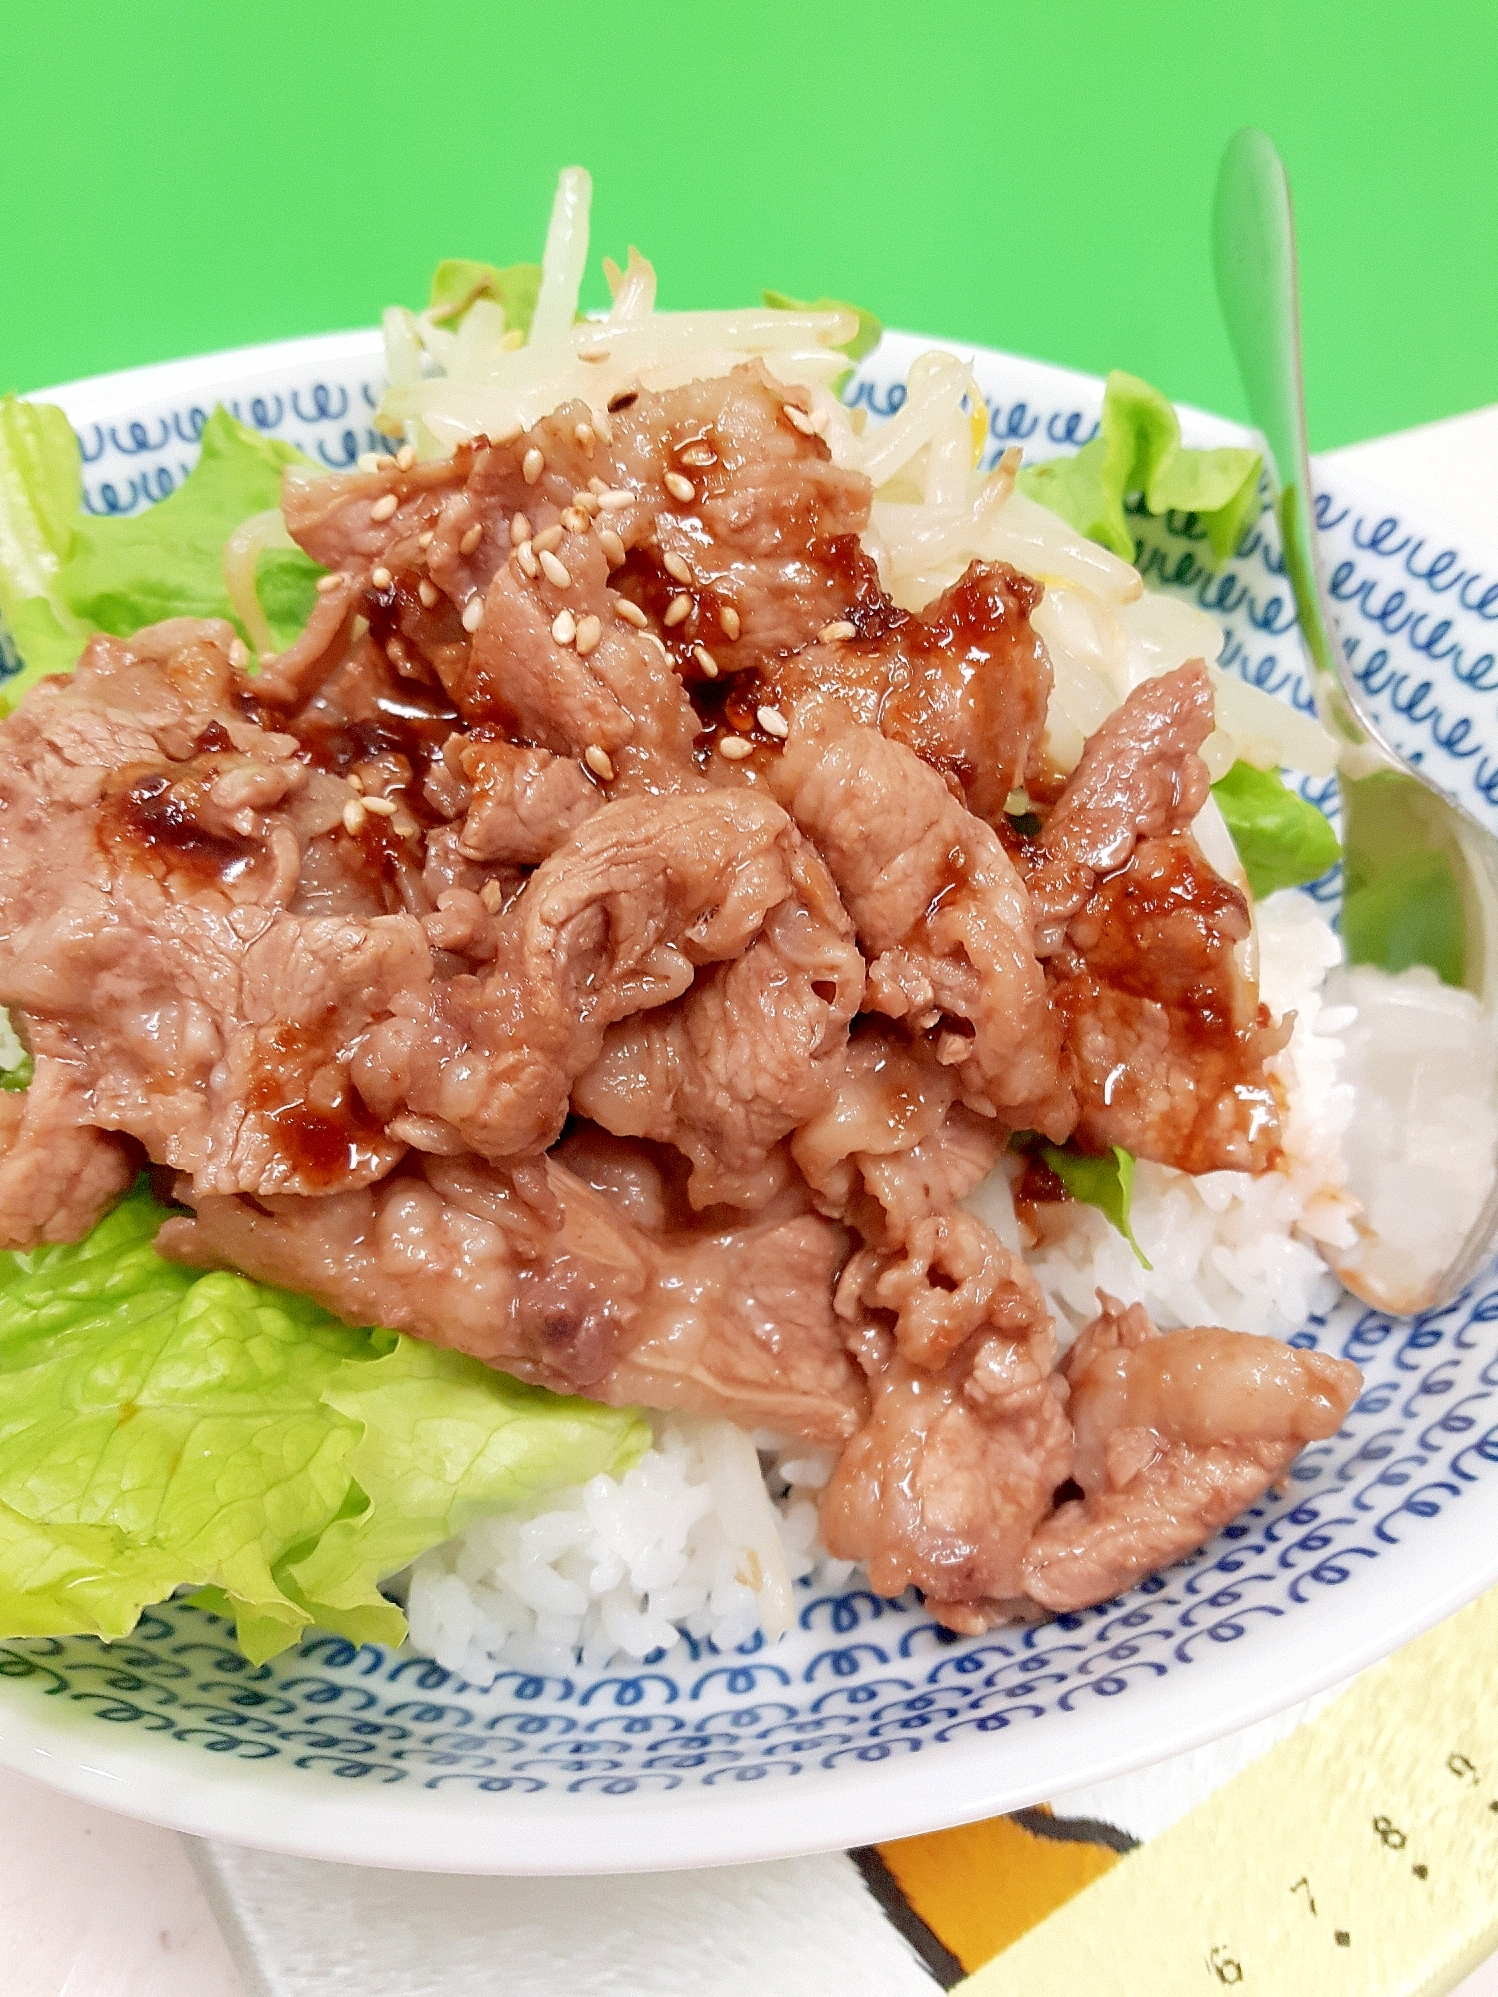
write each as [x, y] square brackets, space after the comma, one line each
[1359, 1858]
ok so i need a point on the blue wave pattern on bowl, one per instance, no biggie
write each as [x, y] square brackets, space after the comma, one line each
[861, 1679]
[131, 464]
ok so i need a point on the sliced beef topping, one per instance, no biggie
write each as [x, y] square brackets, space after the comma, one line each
[754, 550]
[940, 911]
[523, 596]
[1165, 1038]
[1139, 775]
[616, 922]
[608, 804]
[152, 844]
[1175, 1435]
[967, 1438]
[964, 683]
[524, 802]
[538, 1272]
[895, 1145]
[58, 1175]
[753, 1050]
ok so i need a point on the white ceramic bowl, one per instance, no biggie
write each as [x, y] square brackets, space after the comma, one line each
[867, 1722]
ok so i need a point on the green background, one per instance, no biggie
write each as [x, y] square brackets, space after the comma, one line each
[1033, 176]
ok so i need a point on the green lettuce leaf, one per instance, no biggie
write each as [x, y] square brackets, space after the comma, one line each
[459, 283]
[436, 1447]
[1106, 1183]
[1138, 449]
[286, 584]
[1282, 841]
[41, 503]
[870, 330]
[65, 574]
[169, 560]
[162, 1428]
[16, 1064]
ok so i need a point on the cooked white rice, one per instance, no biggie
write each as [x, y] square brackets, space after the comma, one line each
[1420, 1061]
[703, 1539]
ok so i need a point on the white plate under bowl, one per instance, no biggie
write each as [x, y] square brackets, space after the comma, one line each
[867, 1722]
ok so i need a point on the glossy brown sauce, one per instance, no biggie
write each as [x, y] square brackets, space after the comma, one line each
[647, 585]
[1037, 1186]
[323, 1143]
[151, 821]
[1166, 928]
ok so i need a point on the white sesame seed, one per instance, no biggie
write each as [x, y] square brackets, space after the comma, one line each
[353, 816]
[679, 487]
[239, 655]
[630, 612]
[547, 541]
[368, 461]
[564, 627]
[384, 462]
[699, 455]
[428, 593]
[589, 632]
[426, 539]
[472, 538]
[520, 529]
[603, 426]
[597, 486]
[532, 465]
[525, 554]
[613, 497]
[355, 781]
[734, 747]
[599, 762]
[674, 565]
[383, 508]
[327, 584]
[585, 501]
[405, 457]
[728, 617]
[382, 807]
[837, 630]
[492, 895]
[381, 577]
[677, 611]
[585, 436]
[798, 418]
[473, 613]
[706, 660]
[612, 546]
[594, 354]
[575, 520]
[556, 573]
[772, 721]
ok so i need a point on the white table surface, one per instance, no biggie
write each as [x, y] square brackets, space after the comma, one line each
[92, 1905]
